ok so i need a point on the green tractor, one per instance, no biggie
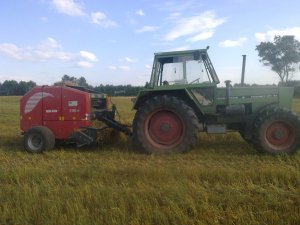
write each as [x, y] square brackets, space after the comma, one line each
[182, 99]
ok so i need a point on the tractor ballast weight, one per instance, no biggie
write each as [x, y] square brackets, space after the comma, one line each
[183, 99]
[50, 113]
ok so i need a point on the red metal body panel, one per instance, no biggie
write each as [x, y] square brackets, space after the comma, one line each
[52, 104]
[75, 104]
[31, 108]
[61, 109]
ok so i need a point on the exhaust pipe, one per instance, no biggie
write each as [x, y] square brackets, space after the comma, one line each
[227, 97]
[243, 70]
[236, 109]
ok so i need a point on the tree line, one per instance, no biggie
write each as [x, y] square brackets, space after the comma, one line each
[289, 83]
[14, 88]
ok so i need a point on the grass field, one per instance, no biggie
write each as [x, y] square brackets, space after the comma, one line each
[222, 181]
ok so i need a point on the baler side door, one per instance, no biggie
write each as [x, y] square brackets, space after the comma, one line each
[76, 105]
[52, 103]
[52, 110]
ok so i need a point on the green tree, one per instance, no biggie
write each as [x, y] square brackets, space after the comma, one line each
[282, 55]
[24, 86]
[82, 82]
[9, 87]
[66, 79]
[12, 87]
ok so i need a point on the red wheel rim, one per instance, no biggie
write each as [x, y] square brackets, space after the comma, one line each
[164, 129]
[281, 134]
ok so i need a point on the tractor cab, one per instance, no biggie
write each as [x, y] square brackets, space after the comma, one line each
[182, 67]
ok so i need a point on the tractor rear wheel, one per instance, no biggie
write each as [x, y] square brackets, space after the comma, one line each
[249, 141]
[277, 131]
[39, 139]
[165, 124]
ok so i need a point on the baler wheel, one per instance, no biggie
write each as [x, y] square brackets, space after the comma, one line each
[277, 131]
[39, 139]
[165, 124]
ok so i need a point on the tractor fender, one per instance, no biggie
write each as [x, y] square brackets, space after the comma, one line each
[182, 94]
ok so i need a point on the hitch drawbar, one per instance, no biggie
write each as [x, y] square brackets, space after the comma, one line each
[107, 117]
[88, 135]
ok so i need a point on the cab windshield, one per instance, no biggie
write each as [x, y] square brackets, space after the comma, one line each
[180, 70]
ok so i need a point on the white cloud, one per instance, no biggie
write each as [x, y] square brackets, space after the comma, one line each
[88, 56]
[269, 35]
[132, 21]
[44, 19]
[140, 12]
[128, 60]
[68, 7]
[85, 64]
[49, 43]
[52, 54]
[233, 43]
[48, 49]
[147, 29]
[73, 8]
[15, 52]
[201, 27]
[52, 43]
[179, 6]
[180, 48]
[202, 36]
[174, 15]
[124, 68]
[112, 67]
[147, 66]
[101, 19]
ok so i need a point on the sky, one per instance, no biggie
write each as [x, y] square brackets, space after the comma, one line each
[113, 42]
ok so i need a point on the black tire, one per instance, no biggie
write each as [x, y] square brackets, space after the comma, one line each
[165, 124]
[249, 141]
[39, 139]
[276, 131]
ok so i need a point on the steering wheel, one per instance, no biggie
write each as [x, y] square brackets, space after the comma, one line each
[194, 81]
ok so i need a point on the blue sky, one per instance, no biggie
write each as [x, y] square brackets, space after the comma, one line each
[112, 42]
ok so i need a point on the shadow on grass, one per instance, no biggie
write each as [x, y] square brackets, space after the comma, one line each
[229, 144]
[224, 144]
[113, 141]
[11, 143]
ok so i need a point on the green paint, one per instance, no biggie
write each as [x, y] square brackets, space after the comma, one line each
[191, 76]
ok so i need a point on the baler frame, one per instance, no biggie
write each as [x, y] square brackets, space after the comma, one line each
[50, 113]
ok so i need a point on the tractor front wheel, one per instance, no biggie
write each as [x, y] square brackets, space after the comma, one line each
[165, 124]
[277, 131]
[39, 139]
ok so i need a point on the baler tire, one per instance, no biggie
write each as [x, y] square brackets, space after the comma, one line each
[165, 124]
[39, 139]
[277, 131]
